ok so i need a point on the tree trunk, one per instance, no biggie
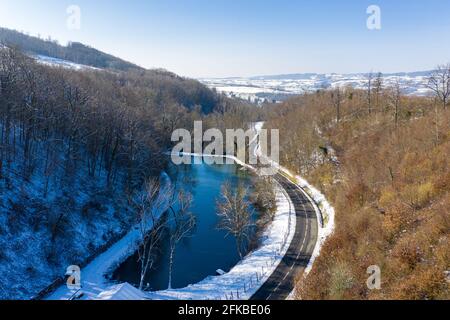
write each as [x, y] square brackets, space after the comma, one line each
[172, 254]
[238, 247]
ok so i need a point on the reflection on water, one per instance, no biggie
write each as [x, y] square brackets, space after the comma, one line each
[208, 249]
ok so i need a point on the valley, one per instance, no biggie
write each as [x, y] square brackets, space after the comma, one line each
[134, 165]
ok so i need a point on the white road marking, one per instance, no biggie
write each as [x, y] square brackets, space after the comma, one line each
[308, 229]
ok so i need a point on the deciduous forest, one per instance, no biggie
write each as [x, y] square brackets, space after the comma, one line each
[381, 158]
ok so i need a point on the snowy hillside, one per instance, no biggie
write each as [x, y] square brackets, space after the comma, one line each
[55, 62]
[46, 226]
[281, 87]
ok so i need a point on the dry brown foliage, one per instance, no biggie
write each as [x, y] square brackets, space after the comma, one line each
[390, 191]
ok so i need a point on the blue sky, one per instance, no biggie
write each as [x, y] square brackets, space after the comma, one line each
[216, 38]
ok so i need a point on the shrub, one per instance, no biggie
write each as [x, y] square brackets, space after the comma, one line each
[341, 280]
[419, 195]
[264, 198]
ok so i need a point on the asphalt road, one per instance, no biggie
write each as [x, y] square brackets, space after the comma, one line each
[281, 283]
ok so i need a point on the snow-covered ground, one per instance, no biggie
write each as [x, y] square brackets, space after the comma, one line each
[326, 214]
[281, 87]
[324, 210]
[41, 233]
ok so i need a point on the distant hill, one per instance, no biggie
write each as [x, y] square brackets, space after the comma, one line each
[292, 76]
[74, 51]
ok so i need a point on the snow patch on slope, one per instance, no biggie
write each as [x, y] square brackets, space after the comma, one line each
[55, 62]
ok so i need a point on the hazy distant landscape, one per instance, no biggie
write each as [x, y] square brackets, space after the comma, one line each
[277, 88]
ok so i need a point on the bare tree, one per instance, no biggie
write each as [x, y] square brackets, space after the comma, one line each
[378, 87]
[149, 204]
[235, 215]
[439, 83]
[183, 222]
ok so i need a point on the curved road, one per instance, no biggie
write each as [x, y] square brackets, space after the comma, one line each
[282, 281]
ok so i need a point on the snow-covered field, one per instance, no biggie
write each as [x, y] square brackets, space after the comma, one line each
[281, 87]
[93, 276]
[55, 62]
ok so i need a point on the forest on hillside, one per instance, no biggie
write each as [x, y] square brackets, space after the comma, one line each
[382, 160]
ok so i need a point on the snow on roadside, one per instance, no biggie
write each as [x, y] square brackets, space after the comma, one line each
[242, 281]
